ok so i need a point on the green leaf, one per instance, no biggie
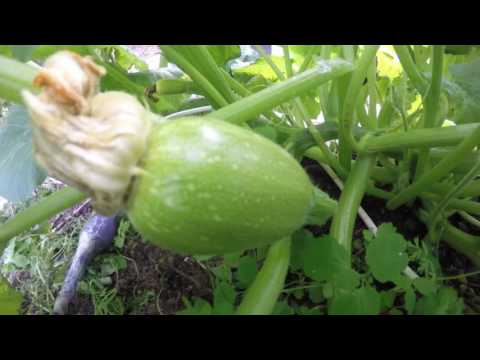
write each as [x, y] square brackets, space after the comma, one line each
[23, 53]
[232, 260]
[19, 173]
[395, 311]
[247, 270]
[403, 282]
[267, 131]
[224, 53]
[323, 209]
[328, 291]
[222, 273]
[223, 299]
[298, 294]
[303, 310]
[362, 301]
[10, 299]
[261, 68]
[445, 302]
[200, 307]
[297, 252]
[425, 286]
[324, 257]
[387, 299]
[127, 59]
[410, 300]
[315, 294]
[368, 235]
[203, 257]
[346, 279]
[282, 308]
[386, 256]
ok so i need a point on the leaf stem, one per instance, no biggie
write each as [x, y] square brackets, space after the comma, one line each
[410, 68]
[347, 141]
[263, 293]
[431, 105]
[174, 56]
[39, 212]
[447, 164]
[251, 106]
[349, 202]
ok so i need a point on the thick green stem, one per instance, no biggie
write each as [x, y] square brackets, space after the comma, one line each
[471, 190]
[349, 202]
[236, 86]
[251, 106]
[372, 95]
[465, 164]
[431, 105]
[410, 69]
[437, 137]
[440, 170]
[217, 99]
[308, 58]
[203, 61]
[39, 212]
[288, 61]
[347, 141]
[298, 107]
[382, 174]
[450, 196]
[469, 206]
[466, 244]
[15, 77]
[462, 242]
[170, 86]
[262, 295]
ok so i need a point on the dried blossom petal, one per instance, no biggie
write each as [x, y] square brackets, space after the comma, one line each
[88, 140]
[70, 80]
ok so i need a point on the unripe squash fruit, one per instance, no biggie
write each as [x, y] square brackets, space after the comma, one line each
[210, 187]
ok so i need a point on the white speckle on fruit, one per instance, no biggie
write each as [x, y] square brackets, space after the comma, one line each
[211, 134]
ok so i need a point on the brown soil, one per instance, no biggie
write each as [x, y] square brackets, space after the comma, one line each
[170, 277]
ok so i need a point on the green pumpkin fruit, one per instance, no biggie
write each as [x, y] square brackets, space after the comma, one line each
[209, 187]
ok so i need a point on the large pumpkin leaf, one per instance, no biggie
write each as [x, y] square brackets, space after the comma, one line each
[19, 174]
